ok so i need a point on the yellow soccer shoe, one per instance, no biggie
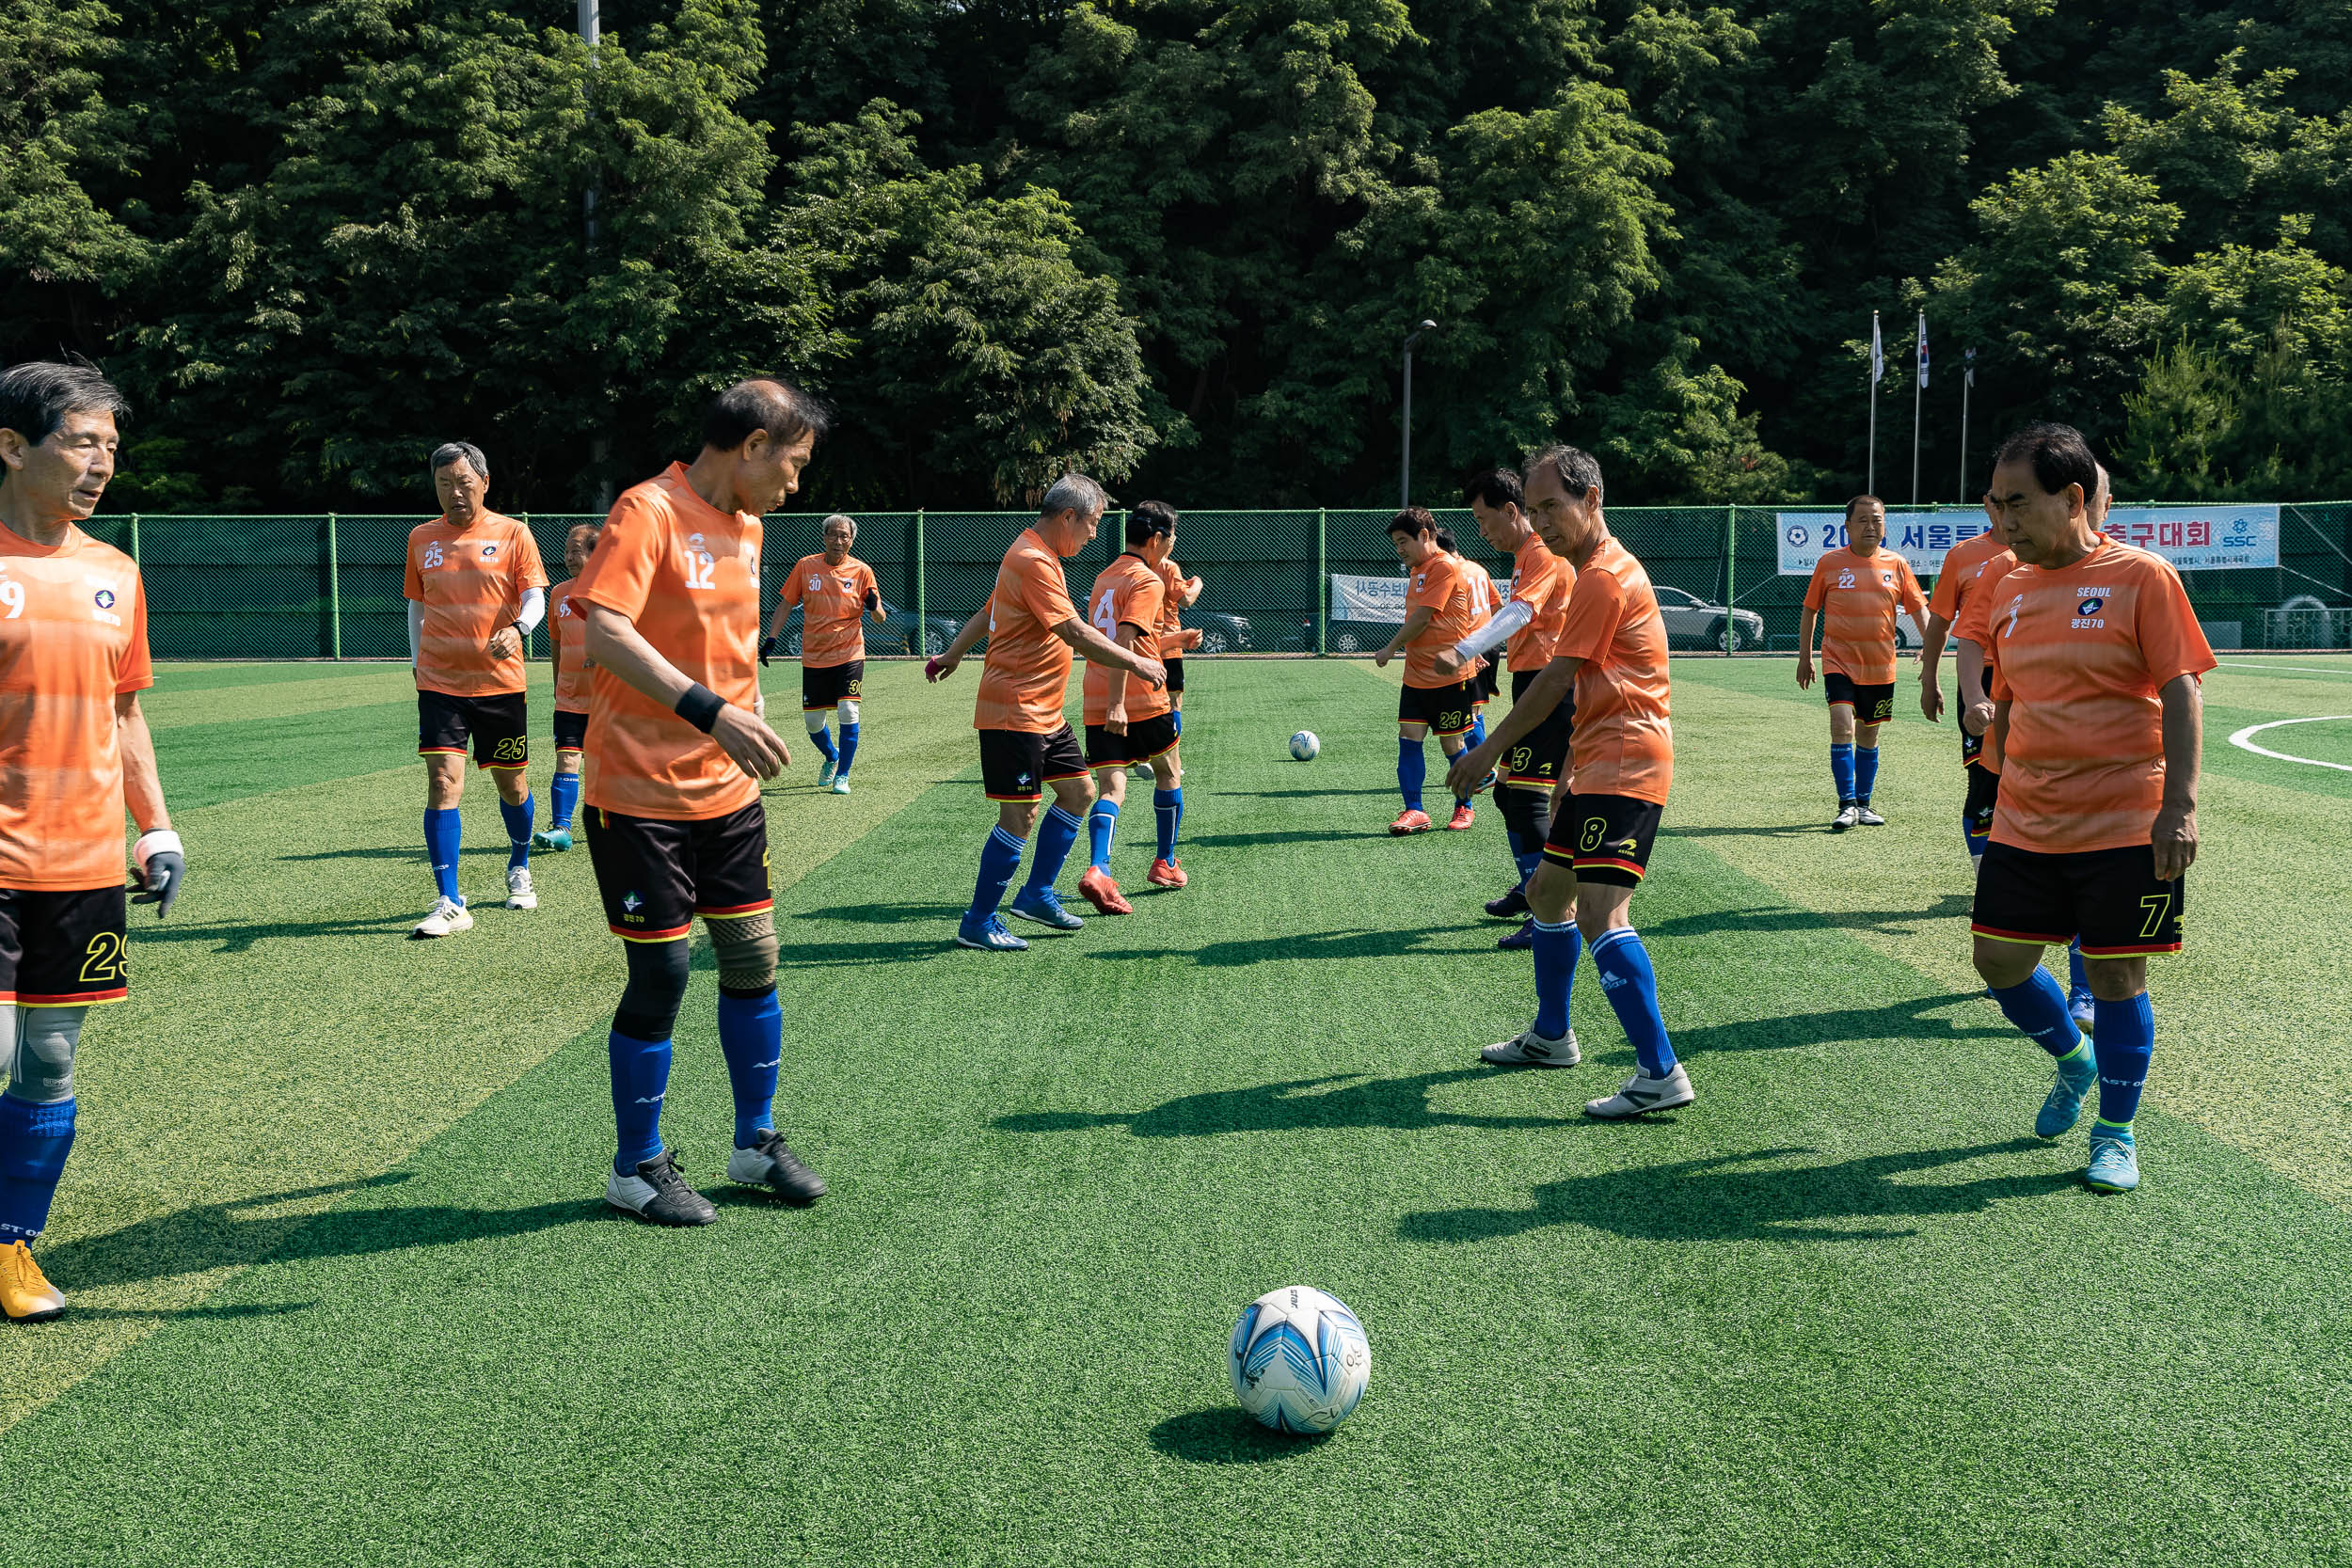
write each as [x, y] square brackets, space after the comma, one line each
[25, 1293]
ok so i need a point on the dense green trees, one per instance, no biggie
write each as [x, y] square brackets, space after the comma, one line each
[1181, 241]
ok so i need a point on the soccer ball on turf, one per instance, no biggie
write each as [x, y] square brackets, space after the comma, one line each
[1299, 1359]
[1304, 746]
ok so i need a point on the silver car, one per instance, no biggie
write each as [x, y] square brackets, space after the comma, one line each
[1693, 623]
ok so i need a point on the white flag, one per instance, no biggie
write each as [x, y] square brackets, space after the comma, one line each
[1878, 353]
[1923, 350]
[1971, 359]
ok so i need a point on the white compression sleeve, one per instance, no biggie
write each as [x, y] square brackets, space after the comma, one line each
[534, 609]
[1512, 618]
[416, 630]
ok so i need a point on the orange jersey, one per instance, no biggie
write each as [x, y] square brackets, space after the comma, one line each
[1440, 584]
[2080, 654]
[832, 599]
[471, 581]
[1172, 605]
[568, 632]
[1857, 597]
[1621, 742]
[72, 639]
[687, 576]
[1131, 592]
[1971, 566]
[1542, 581]
[1028, 667]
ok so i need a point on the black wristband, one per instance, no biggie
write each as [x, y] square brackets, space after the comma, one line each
[700, 706]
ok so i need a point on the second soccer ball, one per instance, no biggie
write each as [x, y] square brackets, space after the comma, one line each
[1304, 746]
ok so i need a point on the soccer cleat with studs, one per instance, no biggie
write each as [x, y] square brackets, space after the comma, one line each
[449, 917]
[518, 893]
[1639, 1095]
[840, 784]
[1167, 874]
[2114, 1162]
[1866, 817]
[1463, 817]
[1097, 888]
[1530, 1049]
[1510, 906]
[988, 936]
[825, 771]
[552, 840]
[1846, 817]
[657, 1194]
[771, 1163]
[25, 1293]
[2065, 1107]
[1520, 940]
[1410, 821]
[1043, 906]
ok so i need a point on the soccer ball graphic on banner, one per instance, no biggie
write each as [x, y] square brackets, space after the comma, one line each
[1299, 1359]
[1304, 746]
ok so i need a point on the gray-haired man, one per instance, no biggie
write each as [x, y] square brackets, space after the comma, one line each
[475, 589]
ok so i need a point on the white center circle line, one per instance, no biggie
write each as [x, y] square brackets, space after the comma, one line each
[2244, 740]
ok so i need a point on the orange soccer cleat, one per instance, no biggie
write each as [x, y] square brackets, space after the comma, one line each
[1097, 888]
[1463, 817]
[25, 1293]
[1166, 874]
[1410, 821]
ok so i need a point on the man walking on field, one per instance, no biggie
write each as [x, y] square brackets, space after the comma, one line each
[568, 652]
[2095, 662]
[1438, 615]
[1857, 591]
[1126, 722]
[833, 589]
[74, 750]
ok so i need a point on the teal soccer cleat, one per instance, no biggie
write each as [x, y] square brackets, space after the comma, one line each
[840, 784]
[2114, 1162]
[2065, 1106]
[1044, 906]
[989, 935]
[554, 839]
[825, 772]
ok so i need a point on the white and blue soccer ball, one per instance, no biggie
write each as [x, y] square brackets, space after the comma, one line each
[1299, 1359]
[1304, 746]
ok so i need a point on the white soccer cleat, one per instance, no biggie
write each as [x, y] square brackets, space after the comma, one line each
[1846, 817]
[1641, 1095]
[1867, 818]
[519, 893]
[1530, 1049]
[447, 918]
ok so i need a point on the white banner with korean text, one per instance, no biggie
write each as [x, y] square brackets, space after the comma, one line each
[1382, 599]
[2193, 538]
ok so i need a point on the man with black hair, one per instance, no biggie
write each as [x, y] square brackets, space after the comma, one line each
[1127, 722]
[74, 750]
[675, 752]
[2095, 658]
[1856, 593]
[1438, 615]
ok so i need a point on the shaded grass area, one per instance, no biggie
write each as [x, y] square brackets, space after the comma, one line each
[1843, 1310]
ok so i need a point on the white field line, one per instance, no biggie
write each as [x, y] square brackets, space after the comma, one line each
[2244, 740]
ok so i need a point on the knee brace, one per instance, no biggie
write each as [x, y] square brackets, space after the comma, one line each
[848, 709]
[815, 718]
[745, 947]
[655, 989]
[36, 1052]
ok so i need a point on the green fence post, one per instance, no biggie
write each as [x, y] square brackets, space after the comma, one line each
[922, 600]
[135, 538]
[334, 592]
[1731, 579]
[1322, 583]
[531, 643]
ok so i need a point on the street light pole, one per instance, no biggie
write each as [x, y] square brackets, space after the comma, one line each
[1404, 485]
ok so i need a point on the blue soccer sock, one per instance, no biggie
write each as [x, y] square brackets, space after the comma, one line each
[1176, 717]
[1451, 758]
[751, 1037]
[824, 743]
[1412, 770]
[1527, 853]
[1055, 835]
[1631, 987]
[564, 798]
[1557, 948]
[440, 848]
[1167, 814]
[1970, 836]
[848, 750]
[1866, 773]
[35, 1140]
[2038, 1007]
[1841, 772]
[1000, 857]
[1478, 728]
[640, 1077]
[2124, 1041]
[1102, 826]
[518, 821]
[2077, 977]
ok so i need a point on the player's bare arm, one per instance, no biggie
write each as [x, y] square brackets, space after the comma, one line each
[162, 858]
[1930, 660]
[1998, 728]
[614, 642]
[1115, 684]
[1553, 684]
[1975, 708]
[1416, 622]
[1093, 644]
[1806, 617]
[945, 664]
[2173, 835]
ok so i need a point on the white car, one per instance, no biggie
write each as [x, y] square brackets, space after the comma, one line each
[1693, 623]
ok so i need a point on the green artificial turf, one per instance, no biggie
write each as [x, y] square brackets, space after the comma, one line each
[1843, 1310]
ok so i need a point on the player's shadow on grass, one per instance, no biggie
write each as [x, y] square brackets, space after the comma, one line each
[227, 1235]
[1297, 793]
[884, 914]
[1760, 830]
[1780, 917]
[1224, 1436]
[1341, 1099]
[1285, 835]
[1904, 1021]
[1755, 1196]
[239, 938]
[1368, 944]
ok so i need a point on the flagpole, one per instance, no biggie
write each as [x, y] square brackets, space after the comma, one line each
[1967, 385]
[1870, 478]
[1918, 388]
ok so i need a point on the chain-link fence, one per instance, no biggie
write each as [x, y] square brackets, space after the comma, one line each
[328, 586]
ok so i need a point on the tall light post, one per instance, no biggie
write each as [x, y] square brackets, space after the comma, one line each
[1405, 478]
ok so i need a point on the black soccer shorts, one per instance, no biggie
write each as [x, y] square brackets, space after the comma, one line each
[1447, 709]
[1604, 838]
[2110, 898]
[571, 731]
[1175, 668]
[63, 949]
[831, 686]
[1985, 793]
[1145, 739]
[1017, 764]
[656, 876]
[497, 724]
[1489, 682]
[1871, 704]
[1540, 759]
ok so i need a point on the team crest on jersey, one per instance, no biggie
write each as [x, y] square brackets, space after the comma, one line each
[489, 552]
[2087, 617]
[1022, 783]
[632, 903]
[2091, 605]
[1420, 580]
[104, 598]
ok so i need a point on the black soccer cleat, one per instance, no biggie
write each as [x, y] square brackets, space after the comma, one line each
[659, 1195]
[1510, 905]
[771, 1164]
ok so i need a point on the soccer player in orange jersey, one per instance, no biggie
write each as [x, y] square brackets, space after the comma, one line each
[475, 589]
[1027, 746]
[1529, 623]
[1856, 592]
[676, 751]
[1175, 637]
[74, 751]
[2096, 658]
[1128, 722]
[1611, 648]
[833, 589]
[1969, 567]
[566, 651]
[1438, 615]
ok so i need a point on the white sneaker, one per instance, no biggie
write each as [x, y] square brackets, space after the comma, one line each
[1846, 817]
[1867, 818]
[519, 893]
[447, 918]
[1531, 1049]
[1641, 1095]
